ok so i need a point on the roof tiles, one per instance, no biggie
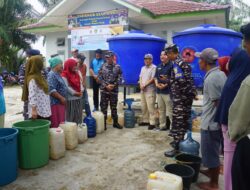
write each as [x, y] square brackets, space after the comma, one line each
[162, 7]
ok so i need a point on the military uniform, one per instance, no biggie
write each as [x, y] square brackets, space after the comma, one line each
[110, 74]
[182, 93]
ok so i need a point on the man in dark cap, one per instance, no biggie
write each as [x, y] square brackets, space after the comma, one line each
[110, 76]
[95, 66]
[182, 93]
[21, 76]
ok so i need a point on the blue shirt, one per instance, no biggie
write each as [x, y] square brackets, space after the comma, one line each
[2, 101]
[96, 65]
[56, 84]
[164, 70]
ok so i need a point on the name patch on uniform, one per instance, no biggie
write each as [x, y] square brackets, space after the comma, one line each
[177, 71]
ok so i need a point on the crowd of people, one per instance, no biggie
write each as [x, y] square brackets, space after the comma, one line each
[61, 95]
[225, 123]
[172, 83]
[225, 116]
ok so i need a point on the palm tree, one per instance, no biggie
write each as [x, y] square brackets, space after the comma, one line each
[13, 14]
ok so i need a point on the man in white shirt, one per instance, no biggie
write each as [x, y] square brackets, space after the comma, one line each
[148, 92]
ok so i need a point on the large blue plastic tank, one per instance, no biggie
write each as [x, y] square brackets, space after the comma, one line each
[205, 36]
[130, 49]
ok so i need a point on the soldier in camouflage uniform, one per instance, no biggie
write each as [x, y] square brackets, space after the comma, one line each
[110, 76]
[182, 93]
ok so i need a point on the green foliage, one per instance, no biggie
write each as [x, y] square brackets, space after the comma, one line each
[13, 14]
[49, 3]
[13, 59]
[239, 12]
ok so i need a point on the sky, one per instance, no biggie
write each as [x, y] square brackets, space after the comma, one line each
[37, 6]
[39, 44]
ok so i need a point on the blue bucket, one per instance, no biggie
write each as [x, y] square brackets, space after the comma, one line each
[8, 158]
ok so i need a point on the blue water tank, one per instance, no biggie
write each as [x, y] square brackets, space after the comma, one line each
[130, 49]
[205, 36]
[8, 158]
[91, 125]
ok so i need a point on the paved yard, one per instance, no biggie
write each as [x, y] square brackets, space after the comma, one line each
[114, 160]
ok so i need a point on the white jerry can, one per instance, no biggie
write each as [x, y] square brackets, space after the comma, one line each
[164, 181]
[71, 136]
[99, 117]
[82, 131]
[56, 143]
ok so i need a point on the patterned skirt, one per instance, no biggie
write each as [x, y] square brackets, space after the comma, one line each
[74, 111]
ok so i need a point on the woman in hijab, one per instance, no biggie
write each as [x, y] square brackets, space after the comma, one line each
[58, 92]
[239, 69]
[2, 104]
[223, 63]
[36, 90]
[73, 80]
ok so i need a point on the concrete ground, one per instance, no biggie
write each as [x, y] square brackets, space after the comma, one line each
[114, 160]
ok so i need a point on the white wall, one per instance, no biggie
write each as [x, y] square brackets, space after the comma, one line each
[51, 44]
[166, 30]
[96, 6]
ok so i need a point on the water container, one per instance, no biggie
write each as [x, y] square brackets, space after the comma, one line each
[99, 117]
[33, 143]
[8, 155]
[184, 171]
[57, 143]
[121, 119]
[91, 124]
[71, 136]
[129, 115]
[189, 145]
[130, 49]
[120, 107]
[205, 36]
[164, 181]
[109, 119]
[82, 133]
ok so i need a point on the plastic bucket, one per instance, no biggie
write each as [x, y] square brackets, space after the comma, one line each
[192, 161]
[8, 155]
[184, 171]
[33, 143]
